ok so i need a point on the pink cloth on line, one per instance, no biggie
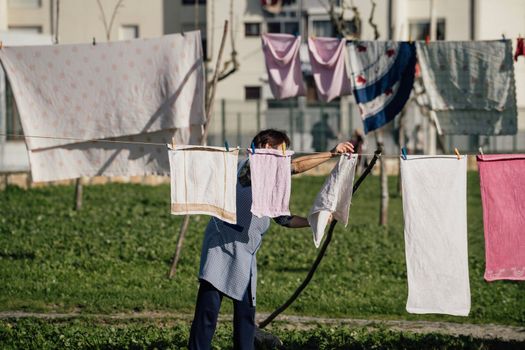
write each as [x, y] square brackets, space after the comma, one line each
[270, 173]
[502, 181]
[281, 54]
[327, 57]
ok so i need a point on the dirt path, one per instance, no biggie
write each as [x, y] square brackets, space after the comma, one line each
[480, 331]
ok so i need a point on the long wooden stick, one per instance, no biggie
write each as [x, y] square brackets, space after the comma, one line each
[209, 114]
[321, 253]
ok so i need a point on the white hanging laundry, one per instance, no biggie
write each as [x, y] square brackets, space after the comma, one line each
[334, 198]
[149, 87]
[470, 85]
[203, 181]
[435, 214]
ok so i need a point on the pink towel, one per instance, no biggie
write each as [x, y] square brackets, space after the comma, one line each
[271, 182]
[281, 54]
[327, 56]
[502, 180]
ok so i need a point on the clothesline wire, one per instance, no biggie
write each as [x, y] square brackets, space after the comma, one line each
[164, 144]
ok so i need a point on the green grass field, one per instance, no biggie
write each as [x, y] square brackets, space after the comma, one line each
[113, 256]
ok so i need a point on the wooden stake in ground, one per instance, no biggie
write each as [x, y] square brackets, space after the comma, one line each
[209, 114]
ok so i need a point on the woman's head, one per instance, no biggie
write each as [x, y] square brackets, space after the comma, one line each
[271, 138]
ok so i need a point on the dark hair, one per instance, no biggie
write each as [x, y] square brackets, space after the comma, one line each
[272, 137]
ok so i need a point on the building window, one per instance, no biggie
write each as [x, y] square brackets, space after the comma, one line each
[283, 27]
[27, 29]
[25, 3]
[252, 29]
[13, 124]
[420, 29]
[252, 92]
[128, 32]
[192, 2]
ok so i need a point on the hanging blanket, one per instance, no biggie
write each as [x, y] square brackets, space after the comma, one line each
[334, 198]
[328, 60]
[145, 88]
[271, 182]
[382, 75]
[502, 180]
[281, 55]
[203, 181]
[435, 213]
[470, 85]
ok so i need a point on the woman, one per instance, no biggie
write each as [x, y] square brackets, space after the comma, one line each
[228, 264]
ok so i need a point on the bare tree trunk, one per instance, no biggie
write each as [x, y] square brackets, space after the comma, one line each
[383, 208]
[78, 194]
[209, 114]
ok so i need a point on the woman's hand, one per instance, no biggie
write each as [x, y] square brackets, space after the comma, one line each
[343, 147]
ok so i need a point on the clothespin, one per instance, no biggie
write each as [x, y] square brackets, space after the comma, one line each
[227, 146]
[94, 41]
[480, 150]
[173, 143]
[1, 45]
[410, 38]
[284, 149]
[404, 153]
[427, 39]
[253, 147]
[503, 38]
[457, 153]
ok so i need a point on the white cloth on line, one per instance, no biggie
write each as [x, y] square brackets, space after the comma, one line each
[203, 181]
[137, 158]
[334, 198]
[108, 90]
[435, 214]
[470, 85]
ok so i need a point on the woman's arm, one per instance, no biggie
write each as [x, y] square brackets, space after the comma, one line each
[304, 163]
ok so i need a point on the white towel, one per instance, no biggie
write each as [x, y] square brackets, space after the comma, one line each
[203, 181]
[435, 213]
[141, 88]
[334, 198]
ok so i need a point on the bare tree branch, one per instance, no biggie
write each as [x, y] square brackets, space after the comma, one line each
[371, 20]
[226, 70]
[107, 27]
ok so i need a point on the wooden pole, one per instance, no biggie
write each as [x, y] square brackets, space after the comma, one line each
[320, 255]
[209, 114]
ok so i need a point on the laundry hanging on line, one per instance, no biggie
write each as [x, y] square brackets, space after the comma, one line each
[271, 182]
[382, 75]
[435, 215]
[203, 181]
[470, 86]
[502, 182]
[334, 198]
[144, 89]
[281, 56]
[329, 67]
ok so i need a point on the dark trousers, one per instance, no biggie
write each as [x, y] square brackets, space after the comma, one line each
[206, 314]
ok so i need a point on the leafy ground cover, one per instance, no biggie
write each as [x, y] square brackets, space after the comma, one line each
[165, 334]
[113, 256]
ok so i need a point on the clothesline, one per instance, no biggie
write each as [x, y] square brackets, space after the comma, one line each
[164, 144]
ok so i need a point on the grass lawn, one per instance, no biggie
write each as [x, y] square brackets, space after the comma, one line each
[113, 256]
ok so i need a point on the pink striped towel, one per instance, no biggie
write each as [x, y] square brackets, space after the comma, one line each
[502, 180]
[271, 182]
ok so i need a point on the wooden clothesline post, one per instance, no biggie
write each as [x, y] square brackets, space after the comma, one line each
[320, 255]
[209, 108]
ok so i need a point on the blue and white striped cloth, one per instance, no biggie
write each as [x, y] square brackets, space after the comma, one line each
[382, 75]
